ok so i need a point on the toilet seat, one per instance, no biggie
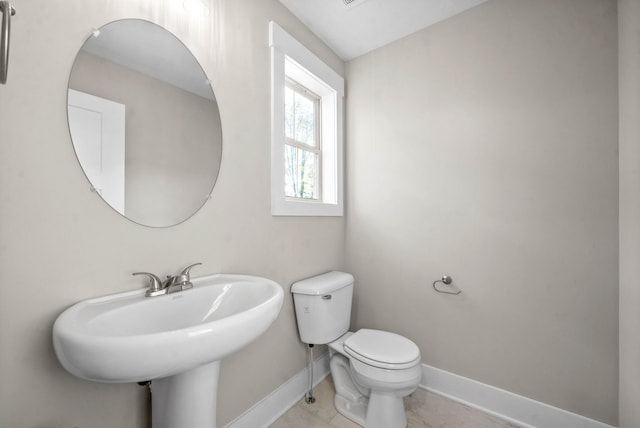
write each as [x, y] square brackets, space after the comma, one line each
[382, 349]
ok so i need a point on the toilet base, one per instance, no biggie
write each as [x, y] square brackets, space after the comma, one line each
[385, 411]
[355, 412]
[370, 409]
[382, 411]
[349, 400]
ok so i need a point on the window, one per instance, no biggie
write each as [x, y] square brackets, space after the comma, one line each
[302, 145]
[306, 147]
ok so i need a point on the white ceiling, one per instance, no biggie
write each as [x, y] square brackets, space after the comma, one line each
[351, 31]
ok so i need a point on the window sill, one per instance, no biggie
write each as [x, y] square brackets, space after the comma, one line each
[305, 208]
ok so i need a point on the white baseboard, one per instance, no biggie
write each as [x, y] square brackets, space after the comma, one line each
[514, 408]
[276, 404]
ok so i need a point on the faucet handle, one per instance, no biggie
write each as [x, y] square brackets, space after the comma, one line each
[184, 280]
[155, 283]
[186, 270]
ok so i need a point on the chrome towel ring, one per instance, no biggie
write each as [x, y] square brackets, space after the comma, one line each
[7, 12]
[446, 279]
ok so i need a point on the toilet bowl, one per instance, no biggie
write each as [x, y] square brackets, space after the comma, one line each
[373, 370]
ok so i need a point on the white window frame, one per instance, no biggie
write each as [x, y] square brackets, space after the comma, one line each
[290, 58]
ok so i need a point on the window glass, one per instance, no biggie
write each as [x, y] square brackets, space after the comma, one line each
[301, 151]
[301, 173]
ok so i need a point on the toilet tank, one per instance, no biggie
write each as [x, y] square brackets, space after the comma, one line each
[323, 306]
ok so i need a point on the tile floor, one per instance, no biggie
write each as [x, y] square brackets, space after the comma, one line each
[424, 410]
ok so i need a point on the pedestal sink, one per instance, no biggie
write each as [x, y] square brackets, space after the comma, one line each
[175, 340]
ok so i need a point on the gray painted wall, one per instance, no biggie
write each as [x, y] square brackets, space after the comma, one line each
[59, 243]
[629, 111]
[485, 148]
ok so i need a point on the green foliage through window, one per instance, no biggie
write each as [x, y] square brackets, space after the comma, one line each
[301, 150]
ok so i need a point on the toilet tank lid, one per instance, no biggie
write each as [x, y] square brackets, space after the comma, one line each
[322, 284]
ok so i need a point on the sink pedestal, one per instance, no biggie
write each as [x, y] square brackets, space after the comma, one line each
[187, 399]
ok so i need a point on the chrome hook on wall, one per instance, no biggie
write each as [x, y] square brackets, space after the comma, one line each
[446, 279]
[7, 12]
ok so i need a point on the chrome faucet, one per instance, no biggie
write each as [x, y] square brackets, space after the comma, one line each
[172, 284]
[180, 282]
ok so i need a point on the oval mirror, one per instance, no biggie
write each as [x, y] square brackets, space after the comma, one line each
[144, 123]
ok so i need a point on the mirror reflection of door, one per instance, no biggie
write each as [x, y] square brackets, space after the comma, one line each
[98, 137]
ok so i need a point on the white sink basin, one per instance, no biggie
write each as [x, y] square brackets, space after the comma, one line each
[127, 337]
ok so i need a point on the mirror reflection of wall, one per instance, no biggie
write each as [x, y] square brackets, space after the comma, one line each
[173, 136]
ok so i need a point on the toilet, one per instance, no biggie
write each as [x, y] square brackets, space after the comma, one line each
[372, 370]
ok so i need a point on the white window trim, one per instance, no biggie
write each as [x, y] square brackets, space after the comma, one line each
[283, 47]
